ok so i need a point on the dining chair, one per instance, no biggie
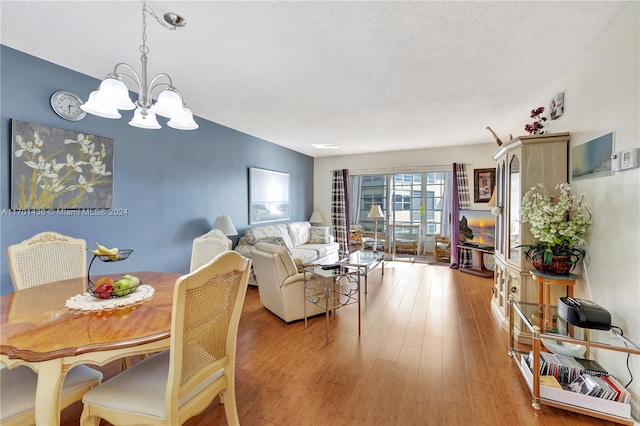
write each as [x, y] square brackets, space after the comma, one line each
[208, 246]
[46, 257]
[174, 385]
[18, 392]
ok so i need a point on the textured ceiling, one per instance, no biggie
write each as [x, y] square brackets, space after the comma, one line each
[365, 76]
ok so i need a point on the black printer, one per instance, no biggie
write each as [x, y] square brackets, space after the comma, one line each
[584, 313]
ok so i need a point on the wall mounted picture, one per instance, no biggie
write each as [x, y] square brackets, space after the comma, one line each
[268, 196]
[556, 108]
[483, 182]
[54, 168]
[593, 158]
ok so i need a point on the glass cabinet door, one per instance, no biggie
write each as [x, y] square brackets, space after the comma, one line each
[500, 204]
[513, 230]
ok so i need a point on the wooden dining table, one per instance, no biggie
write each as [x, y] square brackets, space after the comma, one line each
[38, 331]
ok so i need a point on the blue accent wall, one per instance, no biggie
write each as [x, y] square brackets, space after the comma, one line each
[172, 183]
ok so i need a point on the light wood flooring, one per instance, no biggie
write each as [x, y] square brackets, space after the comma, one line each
[431, 352]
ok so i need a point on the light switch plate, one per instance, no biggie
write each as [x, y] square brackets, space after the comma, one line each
[629, 159]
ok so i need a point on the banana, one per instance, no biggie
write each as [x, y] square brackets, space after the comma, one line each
[103, 251]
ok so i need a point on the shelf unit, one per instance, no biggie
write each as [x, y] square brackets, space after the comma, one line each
[565, 399]
[522, 163]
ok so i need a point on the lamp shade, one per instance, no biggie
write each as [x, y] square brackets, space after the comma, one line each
[225, 224]
[114, 93]
[376, 211]
[316, 217]
[144, 120]
[169, 104]
[492, 200]
[95, 107]
[183, 121]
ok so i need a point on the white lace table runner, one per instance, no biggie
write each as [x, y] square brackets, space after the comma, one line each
[87, 302]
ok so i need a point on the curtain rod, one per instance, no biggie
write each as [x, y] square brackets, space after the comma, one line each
[404, 169]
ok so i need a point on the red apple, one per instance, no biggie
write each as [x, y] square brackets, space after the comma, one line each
[103, 291]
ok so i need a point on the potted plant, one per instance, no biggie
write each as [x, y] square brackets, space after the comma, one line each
[559, 226]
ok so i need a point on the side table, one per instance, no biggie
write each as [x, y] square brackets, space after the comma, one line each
[338, 287]
[544, 292]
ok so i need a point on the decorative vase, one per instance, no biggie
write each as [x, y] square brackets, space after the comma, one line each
[560, 265]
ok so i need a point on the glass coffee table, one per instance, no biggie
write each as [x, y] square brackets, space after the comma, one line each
[364, 261]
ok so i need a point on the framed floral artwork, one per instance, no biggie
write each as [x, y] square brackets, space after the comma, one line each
[483, 182]
[55, 168]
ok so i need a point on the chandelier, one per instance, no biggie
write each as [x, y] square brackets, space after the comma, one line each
[113, 94]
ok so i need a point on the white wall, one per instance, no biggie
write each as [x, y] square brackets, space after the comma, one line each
[602, 94]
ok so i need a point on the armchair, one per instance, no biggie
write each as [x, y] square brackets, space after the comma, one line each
[442, 250]
[280, 284]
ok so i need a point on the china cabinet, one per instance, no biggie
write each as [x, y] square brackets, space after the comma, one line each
[522, 163]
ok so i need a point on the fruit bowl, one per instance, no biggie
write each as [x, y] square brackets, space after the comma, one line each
[121, 255]
[106, 288]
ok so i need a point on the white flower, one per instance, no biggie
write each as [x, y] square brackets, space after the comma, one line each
[563, 223]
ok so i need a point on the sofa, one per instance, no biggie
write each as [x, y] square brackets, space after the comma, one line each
[307, 244]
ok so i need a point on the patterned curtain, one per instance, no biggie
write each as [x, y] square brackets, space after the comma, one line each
[460, 200]
[339, 210]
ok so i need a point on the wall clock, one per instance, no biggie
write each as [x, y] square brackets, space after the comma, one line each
[67, 105]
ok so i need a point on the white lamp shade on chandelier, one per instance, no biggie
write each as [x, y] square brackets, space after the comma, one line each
[113, 94]
[225, 224]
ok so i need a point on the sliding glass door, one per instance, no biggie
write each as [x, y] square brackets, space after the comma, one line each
[413, 206]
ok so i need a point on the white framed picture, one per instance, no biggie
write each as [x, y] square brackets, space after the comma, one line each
[268, 196]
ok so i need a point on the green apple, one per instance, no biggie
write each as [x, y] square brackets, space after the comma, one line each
[122, 287]
[134, 280]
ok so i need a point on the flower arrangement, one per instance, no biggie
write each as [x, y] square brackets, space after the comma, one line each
[537, 126]
[559, 226]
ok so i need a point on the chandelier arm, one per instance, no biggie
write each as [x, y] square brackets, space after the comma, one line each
[135, 78]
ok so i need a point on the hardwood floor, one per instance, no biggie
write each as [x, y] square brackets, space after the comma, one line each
[430, 353]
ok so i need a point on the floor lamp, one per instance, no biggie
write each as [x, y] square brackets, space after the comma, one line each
[375, 213]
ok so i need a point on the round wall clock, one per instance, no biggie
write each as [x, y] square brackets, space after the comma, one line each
[67, 105]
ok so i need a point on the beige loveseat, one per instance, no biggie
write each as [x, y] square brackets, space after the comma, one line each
[306, 243]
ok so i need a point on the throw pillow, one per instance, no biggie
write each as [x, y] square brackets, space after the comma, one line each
[279, 241]
[319, 235]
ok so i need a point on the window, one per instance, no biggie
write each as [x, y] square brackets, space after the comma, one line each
[417, 199]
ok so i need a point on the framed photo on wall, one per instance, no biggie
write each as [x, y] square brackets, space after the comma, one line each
[268, 196]
[484, 180]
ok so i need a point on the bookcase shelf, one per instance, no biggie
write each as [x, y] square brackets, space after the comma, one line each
[524, 312]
